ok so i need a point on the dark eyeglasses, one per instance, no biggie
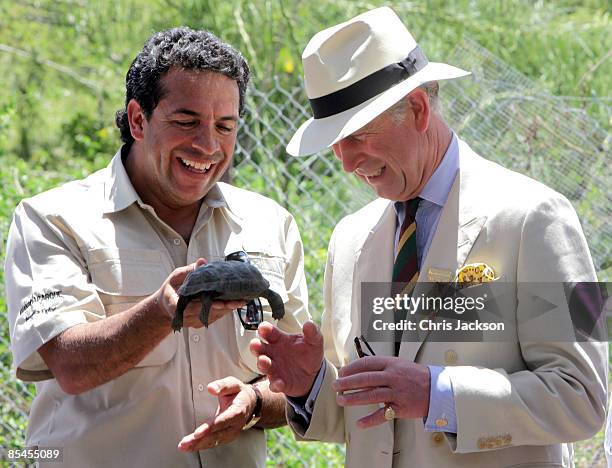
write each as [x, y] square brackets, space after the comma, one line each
[360, 351]
[251, 315]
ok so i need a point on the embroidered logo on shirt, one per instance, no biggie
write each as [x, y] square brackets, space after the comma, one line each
[41, 303]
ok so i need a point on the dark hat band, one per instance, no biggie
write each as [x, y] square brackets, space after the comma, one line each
[368, 87]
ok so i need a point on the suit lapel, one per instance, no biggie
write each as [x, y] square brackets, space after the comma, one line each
[375, 264]
[458, 228]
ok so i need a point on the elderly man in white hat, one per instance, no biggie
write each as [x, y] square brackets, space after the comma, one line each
[444, 215]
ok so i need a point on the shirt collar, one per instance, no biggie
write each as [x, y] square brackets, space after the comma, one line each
[119, 193]
[439, 185]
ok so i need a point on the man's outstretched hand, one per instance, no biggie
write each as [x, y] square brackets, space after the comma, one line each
[290, 360]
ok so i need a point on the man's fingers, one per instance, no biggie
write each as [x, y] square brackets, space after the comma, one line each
[186, 443]
[371, 420]
[225, 419]
[189, 442]
[181, 273]
[269, 332]
[365, 397]
[225, 305]
[201, 431]
[210, 440]
[277, 385]
[312, 335]
[264, 364]
[361, 380]
[227, 434]
[225, 386]
[256, 347]
[364, 364]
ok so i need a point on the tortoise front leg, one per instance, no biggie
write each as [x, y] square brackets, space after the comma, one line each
[177, 321]
[206, 304]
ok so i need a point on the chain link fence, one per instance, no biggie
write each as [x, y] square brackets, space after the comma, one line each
[562, 141]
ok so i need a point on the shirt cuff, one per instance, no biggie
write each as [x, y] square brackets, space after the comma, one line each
[305, 408]
[442, 415]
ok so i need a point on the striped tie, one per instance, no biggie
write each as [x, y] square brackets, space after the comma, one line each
[406, 266]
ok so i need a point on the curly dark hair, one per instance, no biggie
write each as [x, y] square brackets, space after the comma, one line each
[178, 47]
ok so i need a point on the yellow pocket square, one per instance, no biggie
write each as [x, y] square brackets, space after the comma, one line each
[475, 273]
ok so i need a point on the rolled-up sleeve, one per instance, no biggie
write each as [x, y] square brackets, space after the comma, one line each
[47, 287]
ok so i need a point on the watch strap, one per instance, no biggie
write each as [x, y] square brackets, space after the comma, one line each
[256, 416]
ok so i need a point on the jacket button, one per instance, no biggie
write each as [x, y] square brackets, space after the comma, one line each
[437, 438]
[450, 357]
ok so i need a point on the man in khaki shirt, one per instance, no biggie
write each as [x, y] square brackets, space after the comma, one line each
[93, 268]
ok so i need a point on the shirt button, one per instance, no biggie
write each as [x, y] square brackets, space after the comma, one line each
[201, 388]
[196, 338]
[177, 241]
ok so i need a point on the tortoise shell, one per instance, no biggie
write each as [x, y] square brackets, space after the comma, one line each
[227, 280]
[224, 281]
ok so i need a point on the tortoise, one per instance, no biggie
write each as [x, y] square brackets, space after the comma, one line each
[225, 281]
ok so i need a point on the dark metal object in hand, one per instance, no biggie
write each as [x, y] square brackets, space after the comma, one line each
[360, 352]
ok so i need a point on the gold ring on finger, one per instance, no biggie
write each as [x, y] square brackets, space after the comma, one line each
[389, 412]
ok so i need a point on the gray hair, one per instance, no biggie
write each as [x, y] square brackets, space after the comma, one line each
[432, 88]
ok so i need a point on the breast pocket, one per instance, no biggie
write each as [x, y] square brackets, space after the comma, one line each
[272, 268]
[124, 277]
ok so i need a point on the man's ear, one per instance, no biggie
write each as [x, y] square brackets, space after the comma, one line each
[136, 119]
[419, 104]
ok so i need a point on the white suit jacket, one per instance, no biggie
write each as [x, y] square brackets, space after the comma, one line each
[518, 402]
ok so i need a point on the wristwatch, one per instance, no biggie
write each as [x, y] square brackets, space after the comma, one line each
[256, 416]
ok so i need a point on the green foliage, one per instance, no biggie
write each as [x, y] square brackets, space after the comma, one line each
[6, 114]
[65, 63]
[89, 138]
[285, 452]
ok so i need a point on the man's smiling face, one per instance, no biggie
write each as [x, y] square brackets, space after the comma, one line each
[389, 153]
[188, 141]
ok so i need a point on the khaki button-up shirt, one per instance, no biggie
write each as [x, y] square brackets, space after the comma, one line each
[91, 249]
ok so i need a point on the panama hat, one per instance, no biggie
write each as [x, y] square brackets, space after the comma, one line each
[356, 70]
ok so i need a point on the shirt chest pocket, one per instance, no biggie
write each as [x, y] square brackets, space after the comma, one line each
[272, 268]
[122, 278]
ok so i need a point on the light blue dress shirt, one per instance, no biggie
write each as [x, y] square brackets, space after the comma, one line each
[433, 197]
